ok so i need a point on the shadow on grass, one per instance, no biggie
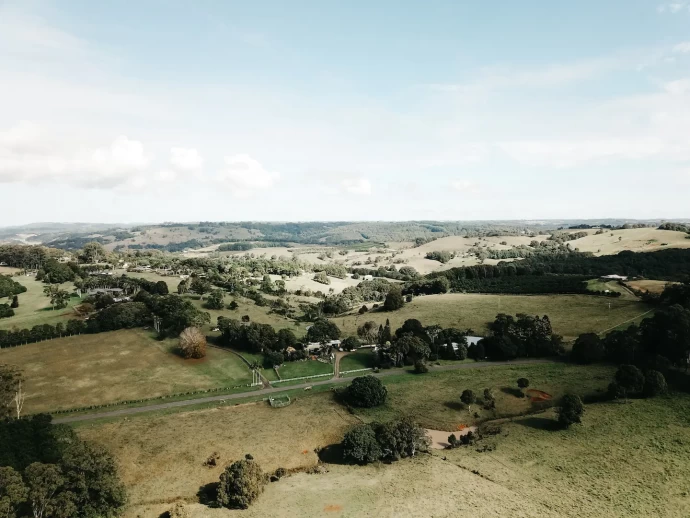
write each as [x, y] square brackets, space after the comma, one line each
[540, 423]
[512, 392]
[332, 454]
[455, 405]
[207, 494]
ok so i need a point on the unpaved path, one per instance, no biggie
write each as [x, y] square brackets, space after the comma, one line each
[266, 391]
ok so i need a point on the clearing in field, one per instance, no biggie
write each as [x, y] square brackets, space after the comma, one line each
[121, 365]
[634, 239]
[654, 287]
[570, 315]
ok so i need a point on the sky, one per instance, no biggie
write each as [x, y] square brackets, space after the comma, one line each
[164, 110]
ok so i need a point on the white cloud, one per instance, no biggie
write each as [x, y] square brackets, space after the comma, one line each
[360, 186]
[186, 160]
[465, 186]
[678, 87]
[28, 155]
[243, 176]
[683, 47]
[674, 7]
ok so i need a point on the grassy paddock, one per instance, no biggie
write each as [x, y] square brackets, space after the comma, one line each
[121, 365]
[304, 368]
[34, 307]
[570, 315]
[362, 359]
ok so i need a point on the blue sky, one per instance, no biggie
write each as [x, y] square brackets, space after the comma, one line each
[322, 110]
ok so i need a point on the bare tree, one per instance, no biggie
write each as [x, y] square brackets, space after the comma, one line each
[19, 397]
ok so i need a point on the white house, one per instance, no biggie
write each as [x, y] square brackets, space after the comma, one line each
[613, 278]
[368, 277]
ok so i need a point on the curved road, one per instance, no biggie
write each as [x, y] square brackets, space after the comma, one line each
[266, 391]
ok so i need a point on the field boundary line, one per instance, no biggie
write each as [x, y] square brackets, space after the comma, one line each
[629, 320]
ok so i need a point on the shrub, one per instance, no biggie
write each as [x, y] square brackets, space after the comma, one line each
[570, 410]
[420, 367]
[215, 300]
[15, 302]
[394, 300]
[240, 484]
[233, 305]
[360, 445]
[654, 384]
[366, 392]
[363, 309]
[192, 343]
[615, 391]
[468, 398]
[322, 278]
[178, 511]
[630, 378]
[588, 348]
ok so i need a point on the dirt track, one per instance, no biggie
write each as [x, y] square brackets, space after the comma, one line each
[266, 391]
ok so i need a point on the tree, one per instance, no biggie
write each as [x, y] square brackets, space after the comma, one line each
[215, 300]
[240, 484]
[178, 511]
[654, 384]
[43, 481]
[200, 286]
[162, 288]
[13, 492]
[233, 305]
[570, 410]
[323, 330]
[273, 359]
[489, 399]
[322, 278]
[420, 367]
[192, 343]
[630, 379]
[363, 309]
[384, 334]
[183, 287]
[588, 348]
[92, 252]
[615, 391]
[366, 392]
[10, 385]
[350, 343]
[394, 300]
[368, 331]
[361, 446]
[285, 338]
[468, 398]
[401, 438]
[523, 383]
[267, 285]
[15, 302]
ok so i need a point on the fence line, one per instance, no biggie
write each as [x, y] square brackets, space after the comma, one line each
[356, 370]
[304, 378]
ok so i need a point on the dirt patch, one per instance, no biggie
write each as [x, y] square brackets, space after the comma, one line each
[333, 508]
[439, 438]
[538, 395]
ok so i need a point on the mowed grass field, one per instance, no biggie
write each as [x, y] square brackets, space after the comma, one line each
[121, 365]
[626, 459]
[570, 315]
[34, 307]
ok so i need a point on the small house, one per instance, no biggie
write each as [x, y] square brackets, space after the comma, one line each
[613, 278]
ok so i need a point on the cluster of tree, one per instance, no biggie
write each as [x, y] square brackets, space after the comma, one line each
[59, 298]
[632, 382]
[405, 273]
[322, 278]
[441, 256]
[662, 340]
[562, 237]
[413, 343]
[389, 441]
[47, 470]
[364, 392]
[236, 247]
[427, 286]
[27, 256]
[524, 336]
[535, 248]
[678, 227]
[277, 347]
[333, 270]
[6, 311]
[9, 287]
[55, 272]
[469, 398]
[419, 241]
[173, 312]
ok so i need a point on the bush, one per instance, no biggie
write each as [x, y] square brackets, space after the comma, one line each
[363, 309]
[15, 302]
[215, 300]
[394, 300]
[192, 343]
[273, 359]
[233, 305]
[366, 392]
[523, 383]
[322, 278]
[240, 484]
[350, 343]
[630, 378]
[615, 391]
[570, 410]
[588, 348]
[178, 511]
[420, 367]
[654, 384]
[360, 445]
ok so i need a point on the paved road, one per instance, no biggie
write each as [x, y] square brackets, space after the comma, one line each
[267, 391]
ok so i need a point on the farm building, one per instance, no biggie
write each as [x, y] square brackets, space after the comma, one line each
[613, 278]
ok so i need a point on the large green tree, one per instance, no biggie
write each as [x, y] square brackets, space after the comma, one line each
[241, 484]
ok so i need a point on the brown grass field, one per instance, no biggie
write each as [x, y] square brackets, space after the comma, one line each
[655, 287]
[121, 365]
[570, 315]
[626, 459]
